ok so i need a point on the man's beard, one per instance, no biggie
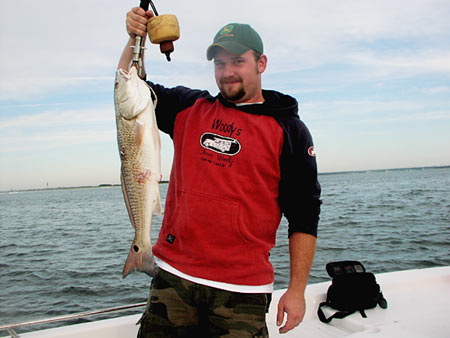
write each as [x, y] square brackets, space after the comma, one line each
[232, 95]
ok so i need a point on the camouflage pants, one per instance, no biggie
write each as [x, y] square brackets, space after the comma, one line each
[179, 308]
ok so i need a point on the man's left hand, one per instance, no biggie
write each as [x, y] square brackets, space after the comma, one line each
[293, 303]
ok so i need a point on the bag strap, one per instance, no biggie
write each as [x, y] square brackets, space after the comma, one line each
[382, 302]
[338, 314]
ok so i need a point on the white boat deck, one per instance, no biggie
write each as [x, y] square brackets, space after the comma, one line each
[418, 307]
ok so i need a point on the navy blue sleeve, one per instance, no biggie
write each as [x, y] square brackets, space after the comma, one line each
[299, 190]
[171, 101]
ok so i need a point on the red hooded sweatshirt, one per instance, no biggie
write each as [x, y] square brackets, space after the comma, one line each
[236, 170]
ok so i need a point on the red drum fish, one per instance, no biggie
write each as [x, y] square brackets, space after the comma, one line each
[139, 147]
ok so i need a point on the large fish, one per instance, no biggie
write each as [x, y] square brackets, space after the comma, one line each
[139, 147]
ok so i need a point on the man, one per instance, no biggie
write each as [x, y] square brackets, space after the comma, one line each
[241, 160]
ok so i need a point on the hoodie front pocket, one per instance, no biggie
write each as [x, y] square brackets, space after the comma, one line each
[207, 230]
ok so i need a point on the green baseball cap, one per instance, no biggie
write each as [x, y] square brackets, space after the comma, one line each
[236, 38]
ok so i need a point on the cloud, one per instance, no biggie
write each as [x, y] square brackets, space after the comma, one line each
[438, 90]
[66, 44]
[412, 63]
[46, 141]
[51, 43]
[441, 115]
[355, 64]
[359, 109]
[65, 129]
[59, 117]
[57, 128]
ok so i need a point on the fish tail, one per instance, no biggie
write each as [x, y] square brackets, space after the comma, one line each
[140, 259]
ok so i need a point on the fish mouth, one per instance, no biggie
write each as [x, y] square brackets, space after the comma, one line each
[131, 95]
[121, 75]
[124, 73]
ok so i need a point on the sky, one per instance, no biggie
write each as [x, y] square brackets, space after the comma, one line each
[372, 78]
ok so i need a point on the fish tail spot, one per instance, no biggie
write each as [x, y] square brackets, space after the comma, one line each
[136, 248]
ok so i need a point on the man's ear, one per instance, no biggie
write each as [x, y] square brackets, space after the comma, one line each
[261, 64]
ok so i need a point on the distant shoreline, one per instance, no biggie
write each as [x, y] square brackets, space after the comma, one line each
[103, 185]
[107, 185]
[384, 170]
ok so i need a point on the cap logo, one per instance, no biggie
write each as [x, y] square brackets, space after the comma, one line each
[226, 30]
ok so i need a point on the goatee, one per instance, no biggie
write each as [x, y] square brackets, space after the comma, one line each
[231, 95]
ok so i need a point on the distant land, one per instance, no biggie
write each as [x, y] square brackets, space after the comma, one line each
[103, 185]
[106, 185]
[384, 170]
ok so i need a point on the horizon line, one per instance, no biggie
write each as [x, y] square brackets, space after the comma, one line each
[106, 185]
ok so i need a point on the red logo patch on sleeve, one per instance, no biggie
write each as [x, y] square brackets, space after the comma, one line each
[311, 151]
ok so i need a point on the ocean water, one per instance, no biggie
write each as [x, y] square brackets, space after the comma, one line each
[62, 251]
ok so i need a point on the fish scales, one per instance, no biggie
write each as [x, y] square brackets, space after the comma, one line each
[139, 148]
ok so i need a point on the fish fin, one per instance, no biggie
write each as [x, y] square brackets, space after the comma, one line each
[156, 137]
[125, 197]
[139, 259]
[139, 132]
[157, 208]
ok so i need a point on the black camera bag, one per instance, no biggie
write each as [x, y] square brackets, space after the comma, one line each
[352, 289]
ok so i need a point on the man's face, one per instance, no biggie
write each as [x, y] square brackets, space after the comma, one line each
[239, 76]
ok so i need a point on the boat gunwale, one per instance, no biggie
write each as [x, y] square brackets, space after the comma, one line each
[9, 327]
